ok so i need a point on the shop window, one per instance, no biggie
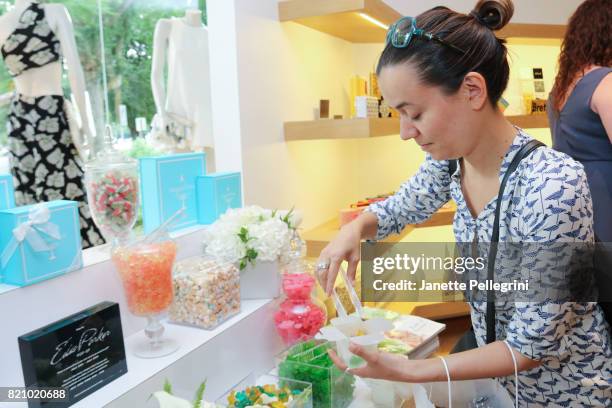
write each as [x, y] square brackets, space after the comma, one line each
[128, 32]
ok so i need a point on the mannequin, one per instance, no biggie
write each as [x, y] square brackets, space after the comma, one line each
[47, 80]
[34, 40]
[183, 104]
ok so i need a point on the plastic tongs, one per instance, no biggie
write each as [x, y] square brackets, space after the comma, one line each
[352, 296]
[163, 228]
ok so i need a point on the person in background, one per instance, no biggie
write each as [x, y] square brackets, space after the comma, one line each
[580, 104]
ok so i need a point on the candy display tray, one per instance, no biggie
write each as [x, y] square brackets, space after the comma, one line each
[309, 361]
[301, 400]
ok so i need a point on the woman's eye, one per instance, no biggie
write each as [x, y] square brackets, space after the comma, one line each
[416, 117]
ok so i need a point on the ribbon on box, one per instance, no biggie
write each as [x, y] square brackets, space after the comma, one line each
[30, 231]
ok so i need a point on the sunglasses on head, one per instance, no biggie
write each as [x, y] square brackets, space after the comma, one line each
[403, 30]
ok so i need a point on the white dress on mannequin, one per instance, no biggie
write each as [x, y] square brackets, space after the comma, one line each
[185, 101]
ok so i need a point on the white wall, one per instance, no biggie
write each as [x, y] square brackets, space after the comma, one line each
[282, 72]
[284, 69]
[224, 86]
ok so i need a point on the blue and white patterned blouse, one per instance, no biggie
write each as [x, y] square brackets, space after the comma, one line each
[547, 199]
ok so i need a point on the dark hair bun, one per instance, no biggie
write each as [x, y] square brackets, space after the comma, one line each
[494, 14]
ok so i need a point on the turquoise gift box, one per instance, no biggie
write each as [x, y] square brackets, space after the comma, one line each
[167, 185]
[44, 241]
[7, 191]
[217, 193]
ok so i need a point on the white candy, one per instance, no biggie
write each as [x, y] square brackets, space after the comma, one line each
[206, 293]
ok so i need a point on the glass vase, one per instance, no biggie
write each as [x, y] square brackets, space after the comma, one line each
[300, 314]
[145, 267]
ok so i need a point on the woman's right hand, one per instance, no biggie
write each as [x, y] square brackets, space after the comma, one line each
[344, 247]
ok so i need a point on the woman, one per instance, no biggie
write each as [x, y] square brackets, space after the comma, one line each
[580, 105]
[444, 72]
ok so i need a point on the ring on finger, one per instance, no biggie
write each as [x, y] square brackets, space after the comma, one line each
[323, 266]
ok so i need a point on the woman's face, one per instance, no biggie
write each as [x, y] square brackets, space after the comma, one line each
[443, 125]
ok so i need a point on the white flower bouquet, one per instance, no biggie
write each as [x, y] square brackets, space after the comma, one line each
[246, 235]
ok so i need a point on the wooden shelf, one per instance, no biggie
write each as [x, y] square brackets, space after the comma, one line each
[529, 121]
[374, 127]
[341, 128]
[532, 31]
[318, 238]
[346, 19]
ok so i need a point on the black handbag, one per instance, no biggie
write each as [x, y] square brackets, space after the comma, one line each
[468, 340]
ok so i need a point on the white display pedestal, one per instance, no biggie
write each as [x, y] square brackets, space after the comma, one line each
[246, 342]
[262, 281]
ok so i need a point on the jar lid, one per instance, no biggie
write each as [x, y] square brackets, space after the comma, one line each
[109, 157]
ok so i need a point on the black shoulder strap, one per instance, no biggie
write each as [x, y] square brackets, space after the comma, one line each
[452, 166]
[524, 151]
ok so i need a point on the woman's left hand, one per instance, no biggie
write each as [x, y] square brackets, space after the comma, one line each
[381, 365]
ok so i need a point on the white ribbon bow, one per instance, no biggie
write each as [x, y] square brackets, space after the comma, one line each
[38, 222]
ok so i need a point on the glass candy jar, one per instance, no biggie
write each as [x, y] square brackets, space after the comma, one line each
[300, 314]
[111, 181]
[145, 267]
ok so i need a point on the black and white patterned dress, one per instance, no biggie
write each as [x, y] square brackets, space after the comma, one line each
[44, 161]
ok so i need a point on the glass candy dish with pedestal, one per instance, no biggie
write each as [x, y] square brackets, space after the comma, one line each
[145, 267]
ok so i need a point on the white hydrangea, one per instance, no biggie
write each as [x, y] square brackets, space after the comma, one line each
[268, 235]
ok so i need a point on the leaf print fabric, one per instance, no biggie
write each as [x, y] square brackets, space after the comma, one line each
[546, 200]
[44, 162]
[32, 44]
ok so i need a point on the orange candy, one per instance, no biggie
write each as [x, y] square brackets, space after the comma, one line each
[146, 273]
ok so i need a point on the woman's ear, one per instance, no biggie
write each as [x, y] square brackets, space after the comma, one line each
[474, 88]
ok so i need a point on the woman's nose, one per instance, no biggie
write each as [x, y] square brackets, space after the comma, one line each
[407, 129]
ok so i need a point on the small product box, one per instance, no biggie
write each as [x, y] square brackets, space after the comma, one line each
[43, 241]
[168, 185]
[206, 293]
[366, 107]
[7, 191]
[217, 193]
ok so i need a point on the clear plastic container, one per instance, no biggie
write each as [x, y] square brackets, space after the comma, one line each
[206, 292]
[309, 362]
[111, 181]
[264, 390]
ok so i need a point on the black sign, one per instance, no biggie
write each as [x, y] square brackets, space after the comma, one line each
[79, 354]
[538, 73]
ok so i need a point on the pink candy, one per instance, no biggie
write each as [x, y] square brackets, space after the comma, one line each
[298, 318]
[113, 198]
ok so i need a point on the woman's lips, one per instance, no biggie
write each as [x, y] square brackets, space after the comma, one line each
[426, 146]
